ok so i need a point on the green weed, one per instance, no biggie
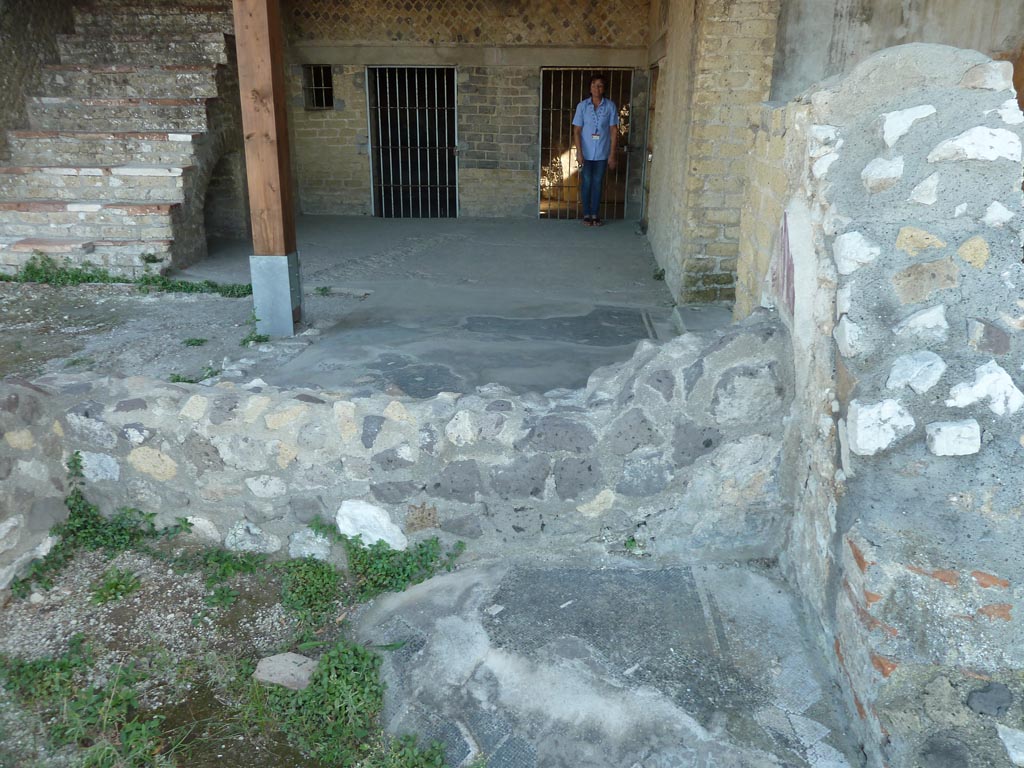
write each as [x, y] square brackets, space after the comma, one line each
[208, 372]
[252, 338]
[311, 588]
[166, 284]
[322, 290]
[45, 680]
[115, 584]
[194, 342]
[222, 596]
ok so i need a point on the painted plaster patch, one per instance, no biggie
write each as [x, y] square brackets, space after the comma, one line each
[991, 383]
[852, 251]
[895, 125]
[150, 461]
[882, 174]
[919, 370]
[997, 215]
[913, 240]
[873, 427]
[918, 282]
[979, 143]
[953, 438]
[975, 252]
[927, 192]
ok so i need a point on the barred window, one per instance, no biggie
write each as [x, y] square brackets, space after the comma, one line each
[317, 86]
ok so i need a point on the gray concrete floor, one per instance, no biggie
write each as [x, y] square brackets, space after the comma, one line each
[448, 305]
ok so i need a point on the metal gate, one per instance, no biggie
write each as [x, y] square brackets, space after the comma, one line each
[560, 91]
[413, 137]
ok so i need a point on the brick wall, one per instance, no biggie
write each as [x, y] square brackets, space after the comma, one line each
[732, 71]
[27, 41]
[487, 22]
[329, 146]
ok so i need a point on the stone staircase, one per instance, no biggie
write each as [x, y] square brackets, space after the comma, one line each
[123, 139]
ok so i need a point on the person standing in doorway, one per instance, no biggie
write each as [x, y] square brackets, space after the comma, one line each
[595, 130]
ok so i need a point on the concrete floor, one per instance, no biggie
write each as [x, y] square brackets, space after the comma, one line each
[449, 305]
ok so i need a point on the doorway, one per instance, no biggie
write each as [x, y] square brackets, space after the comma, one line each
[413, 136]
[652, 103]
[561, 90]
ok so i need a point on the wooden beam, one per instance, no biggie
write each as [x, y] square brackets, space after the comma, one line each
[259, 40]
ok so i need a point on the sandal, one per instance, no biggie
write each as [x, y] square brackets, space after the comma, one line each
[596, 222]
[587, 221]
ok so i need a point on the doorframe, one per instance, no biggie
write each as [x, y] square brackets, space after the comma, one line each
[455, 116]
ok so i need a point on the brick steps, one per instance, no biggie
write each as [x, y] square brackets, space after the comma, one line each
[186, 81]
[89, 220]
[122, 183]
[70, 114]
[208, 48]
[83, 148]
[181, 21]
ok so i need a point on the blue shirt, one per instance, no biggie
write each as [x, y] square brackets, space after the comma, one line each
[597, 121]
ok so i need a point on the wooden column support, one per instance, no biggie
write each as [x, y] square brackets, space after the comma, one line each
[259, 41]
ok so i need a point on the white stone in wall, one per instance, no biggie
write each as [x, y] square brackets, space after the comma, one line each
[1013, 740]
[306, 542]
[919, 370]
[927, 324]
[373, 524]
[990, 383]
[850, 338]
[844, 300]
[203, 529]
[882, 174]
[895, 125]
[10, 532]
[927, 192]
[997, 215]
[100, 466]
[822, 164]
[824, 134]
[463, 429]
[873, 427]
[1009, 112]
[244, 536]
[953, 438]
[833, 221]
[852, 251]
[990, 76]
[960, 210]
[979, 143]
[266, 486]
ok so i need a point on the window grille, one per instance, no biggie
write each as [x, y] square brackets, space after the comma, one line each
[317, 86]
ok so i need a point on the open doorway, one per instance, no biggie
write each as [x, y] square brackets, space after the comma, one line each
[412, 141]
[561, 90]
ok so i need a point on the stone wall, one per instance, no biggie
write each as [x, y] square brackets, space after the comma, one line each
[28, 31]
[678, 448]
[904, 261]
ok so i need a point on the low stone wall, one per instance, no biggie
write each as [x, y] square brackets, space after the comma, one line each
[899, 272]
[678, 448]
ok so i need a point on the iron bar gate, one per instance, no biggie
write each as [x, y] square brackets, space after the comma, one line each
[413, 137]
[561, 90]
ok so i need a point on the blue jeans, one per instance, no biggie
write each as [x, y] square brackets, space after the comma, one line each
[591, 182]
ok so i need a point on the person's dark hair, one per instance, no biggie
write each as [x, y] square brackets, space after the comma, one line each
[598, 76]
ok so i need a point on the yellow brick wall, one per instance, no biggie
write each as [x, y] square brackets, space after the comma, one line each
[489, 193]
[769, 170]
[480, 22]
[329, 147]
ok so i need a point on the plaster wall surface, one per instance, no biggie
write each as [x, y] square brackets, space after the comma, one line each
[822, 38]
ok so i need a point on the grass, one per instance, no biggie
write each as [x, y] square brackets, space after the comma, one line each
[194, 342]
[43, 269]
[115, 584]
[208, 372]
[311, 588]
[322, 290]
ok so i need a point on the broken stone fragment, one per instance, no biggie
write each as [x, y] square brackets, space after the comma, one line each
[873, 427]
[852, 251]
[290, 670]
[993, 700]
[919, 370]
[1013, 740]
[927, 324]
[882, 174]
[997, 215]
[10, 532]
[980, 143]
[97, 467]
[927, 192]
[373, 524]
[308, 543]
[895, 125]
[975, 252]
[822, 164]
[850, 338]
[990, 383]
[244, 536]
[953, 438]
[918, 282]
[913, 240]
[990, 76]
[1009, 112]
[985, 336]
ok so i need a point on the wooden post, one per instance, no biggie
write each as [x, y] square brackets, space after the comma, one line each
[274, 265]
